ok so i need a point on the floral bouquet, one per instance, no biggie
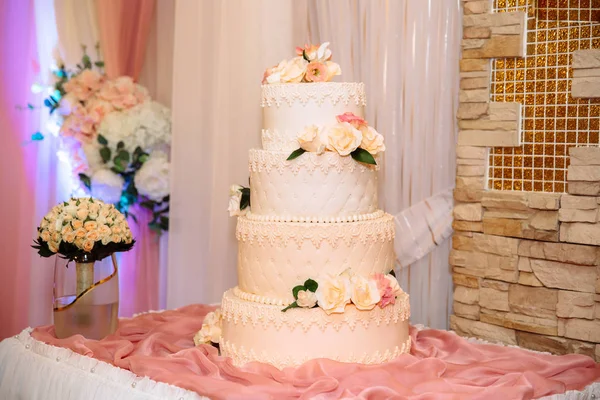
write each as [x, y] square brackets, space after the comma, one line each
[311, 64]
[83, 228]
[115, 138]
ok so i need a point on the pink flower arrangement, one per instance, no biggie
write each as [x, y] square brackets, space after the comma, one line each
[316, 72]
[122, 93]
[386, 291]
[311, 64]
[85, 85]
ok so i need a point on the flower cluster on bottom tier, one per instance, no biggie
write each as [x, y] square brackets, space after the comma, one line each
[261, 332]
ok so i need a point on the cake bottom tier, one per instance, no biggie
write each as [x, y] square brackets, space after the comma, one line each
[260, 332]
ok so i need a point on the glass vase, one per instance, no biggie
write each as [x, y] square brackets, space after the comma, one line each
[86, 297]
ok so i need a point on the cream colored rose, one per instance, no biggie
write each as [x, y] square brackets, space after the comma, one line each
[56, 237]
[76, 224]
[93, 235]
[333, 69]
[306, 299]
[69, 237]
[66, 229]
[211, 329]
[82, 213]
[104, 212]
[311, 139]
[106, 240]
[333, 293]
[294, 70]
[90, 226]
[115, 238]
[45, 235]
[365, 294]
[273, 75]
[235, 201]
[80, 233]
[88, 245]
[372, 141]
[79, 242]
[104, 230]
[53, 246]
[234, 190]
[94, 208]
[343, 138]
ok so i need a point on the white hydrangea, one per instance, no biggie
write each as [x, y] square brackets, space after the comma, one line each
[107, 186]
[152, 179]
[92, 156]
[147, 125]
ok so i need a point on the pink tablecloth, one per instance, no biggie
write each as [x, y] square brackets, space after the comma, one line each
[441, 365]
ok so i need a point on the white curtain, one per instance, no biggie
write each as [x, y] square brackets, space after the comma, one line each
[405, 51]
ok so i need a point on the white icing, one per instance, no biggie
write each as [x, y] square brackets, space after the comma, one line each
[316, 220]
[275, 256]
[289, 108]
[325, 187]
[262, 332]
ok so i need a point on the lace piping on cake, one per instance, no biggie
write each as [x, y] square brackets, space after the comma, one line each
[277, 141]
[241, 355]
[281, 233]
[264, 160]
[332, 92]
[259, 299]
[316, 220]
[236, 310]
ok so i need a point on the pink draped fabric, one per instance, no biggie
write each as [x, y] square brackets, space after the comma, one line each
[124, 26]
[18, 162]
[441, 366]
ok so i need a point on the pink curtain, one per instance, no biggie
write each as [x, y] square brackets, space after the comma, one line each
[124, 26]
[18, 162]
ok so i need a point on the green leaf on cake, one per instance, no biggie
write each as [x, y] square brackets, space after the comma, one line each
[311, 285]
[102, 140]
[363, 156]
[293, 305]
[105, 153]
[296, 289]
[393, 273]
[245, 200]
[120, 145]
[296, 154]
[305, 56]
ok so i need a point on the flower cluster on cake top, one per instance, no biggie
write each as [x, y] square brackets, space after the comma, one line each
[350, 136]
[311, 64]
[333, 293]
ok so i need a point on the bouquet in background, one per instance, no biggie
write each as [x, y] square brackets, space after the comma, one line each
[115, 138]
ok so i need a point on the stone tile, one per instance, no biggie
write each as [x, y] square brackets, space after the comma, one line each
[470, 161]
[582, 329]
[504, 227]
[489, 138]
[529, 279]
[583, 173]
[488, 125]
[499, 19]
[564, 252]
[469, 311]
[467, 226]
[580, 232]
[544, 326]
[476, 7]
[488, 244]
[584, 155]
[598, 353]
[471, 170]
[484, 265]
[466, 295]
[470, 65]
[468, 212]
[465, 280]
[583, 188]
[524, 264]
[575, 305]
[505, 200]
[543, 201]
[494, 317]
[470, 183]
[499, 46]
[506, 30]
[589, 58]
[533, 301]
[468, 194]
[473, 96]
[553, 344]
[507, 213]
[559, 275]
[475, 32]
[496, 285]
[584, 72]
[572, 215]
[571, 202]
[545, 220]
[499, 111]
[471, 152]
[584, 88]
[489, 332]
[472, 110]
[493, 299]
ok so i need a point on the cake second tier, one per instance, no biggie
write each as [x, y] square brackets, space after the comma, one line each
[273, 257]
[312, 187]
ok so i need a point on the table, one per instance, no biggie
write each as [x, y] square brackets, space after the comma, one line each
[152, 356]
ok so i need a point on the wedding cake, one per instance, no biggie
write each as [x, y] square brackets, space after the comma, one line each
[316, 256]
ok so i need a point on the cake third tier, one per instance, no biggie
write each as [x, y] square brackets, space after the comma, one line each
[273, 257]
[314, 188]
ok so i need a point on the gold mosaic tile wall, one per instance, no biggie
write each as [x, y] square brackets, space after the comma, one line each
[552, 120]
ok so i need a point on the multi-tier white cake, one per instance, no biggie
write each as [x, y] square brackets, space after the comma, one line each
[316, 257]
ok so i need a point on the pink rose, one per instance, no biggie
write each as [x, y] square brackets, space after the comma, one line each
[84, 85]
[386, 291]
[122, 93]
[97, 109]
[352, 119]
[316, 72]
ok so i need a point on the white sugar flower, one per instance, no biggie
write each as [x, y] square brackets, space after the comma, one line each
[311, 139]
[107, 185]
[334, 293]
[235, 201]
[365, 293]
[306, 299]
[211, 329]
[152, 179]
[343, 138]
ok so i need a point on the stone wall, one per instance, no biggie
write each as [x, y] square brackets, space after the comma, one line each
[526, 265]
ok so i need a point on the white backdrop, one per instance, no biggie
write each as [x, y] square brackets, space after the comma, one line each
[405, 51]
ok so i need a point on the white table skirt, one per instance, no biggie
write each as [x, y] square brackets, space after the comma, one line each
[32, 370]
